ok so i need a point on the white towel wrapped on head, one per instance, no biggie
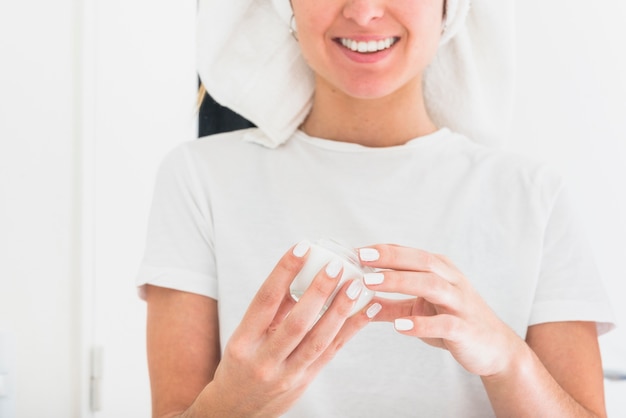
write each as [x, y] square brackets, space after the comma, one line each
[249, 62]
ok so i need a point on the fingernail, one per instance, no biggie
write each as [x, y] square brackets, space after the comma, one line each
[301, 249]
[403, 324]
[369, 254]
[373, 310]
[373, 278]
[333, 268]
[354, 289]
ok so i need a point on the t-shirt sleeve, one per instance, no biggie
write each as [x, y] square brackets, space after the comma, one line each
[569, 286]
[179, 246]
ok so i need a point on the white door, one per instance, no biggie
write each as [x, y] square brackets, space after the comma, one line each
[139, 102]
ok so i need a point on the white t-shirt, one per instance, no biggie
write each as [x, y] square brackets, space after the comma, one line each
[225, 210]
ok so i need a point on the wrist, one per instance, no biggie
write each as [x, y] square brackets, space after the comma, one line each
[210, 404]
[517, 361]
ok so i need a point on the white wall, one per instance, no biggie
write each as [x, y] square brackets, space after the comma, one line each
[571, 113]
[38, 246]
[133, 105]
[144, 91]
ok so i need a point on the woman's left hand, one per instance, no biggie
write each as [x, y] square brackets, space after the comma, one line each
[446, 312]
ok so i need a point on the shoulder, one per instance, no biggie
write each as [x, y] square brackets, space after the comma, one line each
[505, 178]
[234, 141]
[509, 168]
[228, 146]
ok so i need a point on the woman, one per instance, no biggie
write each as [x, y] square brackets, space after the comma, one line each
[508, 318]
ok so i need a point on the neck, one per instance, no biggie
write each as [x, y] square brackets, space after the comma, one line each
[381, 122]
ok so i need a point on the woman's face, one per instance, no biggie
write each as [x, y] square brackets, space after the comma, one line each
[368, 48]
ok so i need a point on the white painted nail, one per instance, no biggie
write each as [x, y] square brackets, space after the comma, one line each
[402, 324]
[373, 278]
[301, 249]
[373, 310]
[369, 254]
[333, 268]
[354, 289]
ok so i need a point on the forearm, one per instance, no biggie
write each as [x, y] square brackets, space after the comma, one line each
[209, 404]
[527, 389]
[206, 405]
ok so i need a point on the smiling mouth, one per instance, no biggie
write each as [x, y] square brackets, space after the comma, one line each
[368, 47]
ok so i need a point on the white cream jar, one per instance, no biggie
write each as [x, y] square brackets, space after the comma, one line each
[320, 254]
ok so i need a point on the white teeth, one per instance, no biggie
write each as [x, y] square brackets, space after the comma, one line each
[369, 46]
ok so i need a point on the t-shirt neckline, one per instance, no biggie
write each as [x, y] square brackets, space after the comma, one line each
[418, 142]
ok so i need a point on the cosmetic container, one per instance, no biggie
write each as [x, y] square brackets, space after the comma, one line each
[320, 254]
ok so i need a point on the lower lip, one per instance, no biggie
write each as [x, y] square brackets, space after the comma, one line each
[368, 58]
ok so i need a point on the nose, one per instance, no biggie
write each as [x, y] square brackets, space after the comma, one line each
[363, 12]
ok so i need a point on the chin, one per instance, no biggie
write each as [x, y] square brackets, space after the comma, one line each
[366, 87]
[376, 87]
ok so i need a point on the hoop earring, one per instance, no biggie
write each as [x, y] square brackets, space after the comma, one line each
[292, 28]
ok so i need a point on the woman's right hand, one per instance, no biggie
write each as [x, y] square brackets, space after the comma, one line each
[280, 345]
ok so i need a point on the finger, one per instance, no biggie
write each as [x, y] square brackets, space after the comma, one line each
[446, 327]
[327, 327]
[394, 308]
[266, 304]
[349, 329]
[283, 310]
[396, 257]
[305, 312]
[427, 285]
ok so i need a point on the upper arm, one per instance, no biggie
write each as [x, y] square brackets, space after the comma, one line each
[570, 353]
[183, 347]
